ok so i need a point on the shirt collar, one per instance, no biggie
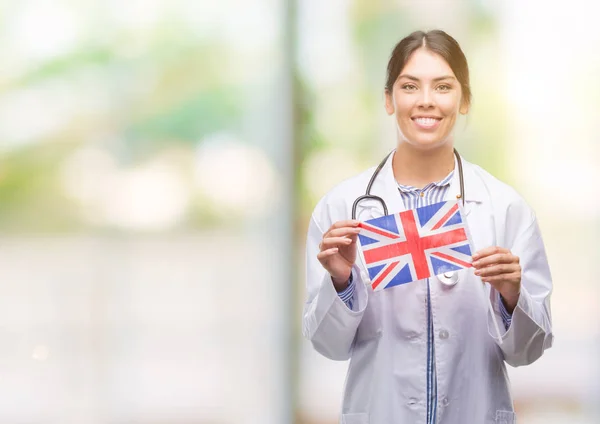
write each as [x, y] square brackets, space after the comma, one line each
[442, 183]
[476, 190]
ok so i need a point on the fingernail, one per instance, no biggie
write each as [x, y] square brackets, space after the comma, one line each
[475, 264]
[475, 256]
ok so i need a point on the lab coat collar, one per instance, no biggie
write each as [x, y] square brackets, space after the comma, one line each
[385, 185]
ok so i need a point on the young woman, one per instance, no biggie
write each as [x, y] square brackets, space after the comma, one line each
[434, 350]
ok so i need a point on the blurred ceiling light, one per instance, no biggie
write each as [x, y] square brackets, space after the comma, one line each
[326, 53]
[555, 140]
[40, 353]
[137, 14]
[39, 112]
[152, 196]
[565, 175]
[34, 113]
[324, 169]
[89, 175]
[255, 25]
[236, 177]
[41, 30]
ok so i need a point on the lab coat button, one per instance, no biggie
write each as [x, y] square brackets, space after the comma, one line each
[445, 401]
[444, 334]
[412, 401]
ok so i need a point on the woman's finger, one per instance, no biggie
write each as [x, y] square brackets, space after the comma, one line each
[497, 270]
[347, 223]
[498, 258]
[330, 242]
[512, 277]
[321, 256]
[489, 251]
[340, 232]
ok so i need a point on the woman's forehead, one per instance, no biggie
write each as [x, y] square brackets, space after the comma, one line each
[426, 65]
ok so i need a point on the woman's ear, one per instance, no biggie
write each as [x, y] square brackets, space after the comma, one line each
[389, 102]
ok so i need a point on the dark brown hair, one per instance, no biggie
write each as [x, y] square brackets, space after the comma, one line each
[436, 41]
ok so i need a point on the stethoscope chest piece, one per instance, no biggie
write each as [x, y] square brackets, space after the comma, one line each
[448, 279]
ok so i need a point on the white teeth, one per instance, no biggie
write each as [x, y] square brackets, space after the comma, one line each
[426, 121]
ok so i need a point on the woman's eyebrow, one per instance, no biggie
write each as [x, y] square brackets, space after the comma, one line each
[410, 77]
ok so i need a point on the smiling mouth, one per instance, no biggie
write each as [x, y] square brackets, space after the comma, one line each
[426, 122]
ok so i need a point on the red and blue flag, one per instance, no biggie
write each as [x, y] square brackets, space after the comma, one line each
[415, 244]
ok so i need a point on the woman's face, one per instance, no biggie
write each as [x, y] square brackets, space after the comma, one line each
[426, 100]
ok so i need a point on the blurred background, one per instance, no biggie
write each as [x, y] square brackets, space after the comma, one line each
[159, 162]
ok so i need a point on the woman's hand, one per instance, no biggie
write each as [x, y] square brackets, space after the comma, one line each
[338, 251]
[499, 267]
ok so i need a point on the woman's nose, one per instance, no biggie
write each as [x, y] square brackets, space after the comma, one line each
[426, 99]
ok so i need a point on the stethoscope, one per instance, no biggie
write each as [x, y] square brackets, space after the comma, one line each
[448, 278]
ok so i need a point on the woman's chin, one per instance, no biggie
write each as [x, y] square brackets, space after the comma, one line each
[427, 143]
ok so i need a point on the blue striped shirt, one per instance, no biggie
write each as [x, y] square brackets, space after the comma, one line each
[414, 198]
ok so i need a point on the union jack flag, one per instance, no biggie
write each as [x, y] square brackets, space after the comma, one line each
[415, 244]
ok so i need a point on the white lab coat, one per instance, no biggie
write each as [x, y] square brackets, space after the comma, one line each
[385, 336]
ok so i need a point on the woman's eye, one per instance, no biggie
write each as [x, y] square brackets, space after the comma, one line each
[444, 87]
[409, 87]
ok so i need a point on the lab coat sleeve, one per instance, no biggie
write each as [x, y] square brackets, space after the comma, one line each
[530, 330]
[327, 322]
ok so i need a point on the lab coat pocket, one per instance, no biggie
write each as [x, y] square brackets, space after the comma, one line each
[506, 417]
[355, 419]
[370, 325]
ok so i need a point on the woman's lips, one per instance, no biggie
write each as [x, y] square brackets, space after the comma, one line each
[426, 123]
